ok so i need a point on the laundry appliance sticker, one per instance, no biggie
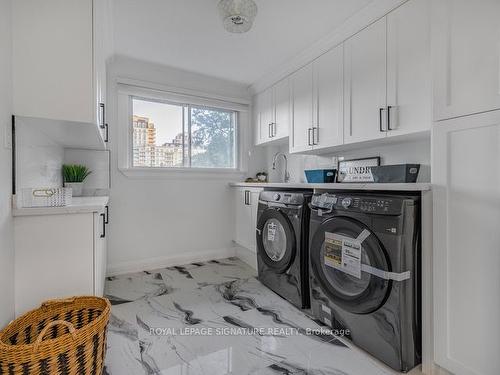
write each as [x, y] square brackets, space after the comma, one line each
[271, 231]
[343, 253]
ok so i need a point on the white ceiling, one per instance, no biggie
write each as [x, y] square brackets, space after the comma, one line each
[188, 34]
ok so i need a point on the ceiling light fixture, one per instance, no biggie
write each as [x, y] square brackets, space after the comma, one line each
[237, 15]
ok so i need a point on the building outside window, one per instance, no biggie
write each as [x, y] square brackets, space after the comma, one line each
[172, 135]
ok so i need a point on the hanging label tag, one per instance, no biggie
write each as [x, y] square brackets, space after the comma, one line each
[343, 253]
[271, 231]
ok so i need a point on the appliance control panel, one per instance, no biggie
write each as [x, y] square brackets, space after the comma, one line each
[283, 197]
[384, 205]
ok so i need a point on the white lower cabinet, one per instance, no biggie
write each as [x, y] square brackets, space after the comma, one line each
[247, 202]
[466, 193]
[59, 256]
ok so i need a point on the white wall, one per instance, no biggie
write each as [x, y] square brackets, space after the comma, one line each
[417, 152]
[164, 220]
[6, 232]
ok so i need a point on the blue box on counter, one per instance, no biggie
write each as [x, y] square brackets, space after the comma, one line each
[320, 176]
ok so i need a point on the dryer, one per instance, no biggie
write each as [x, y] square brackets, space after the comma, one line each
[282, 244]
[364, 261]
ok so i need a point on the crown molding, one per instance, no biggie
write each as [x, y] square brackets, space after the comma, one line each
[372, 12]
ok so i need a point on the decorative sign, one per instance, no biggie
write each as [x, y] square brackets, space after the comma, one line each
[357, 170]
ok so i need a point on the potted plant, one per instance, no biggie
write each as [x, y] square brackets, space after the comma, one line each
[74, 175]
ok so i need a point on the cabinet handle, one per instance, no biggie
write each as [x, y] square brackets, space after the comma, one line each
[102, 115]
[380, 119]
[269, 130]
[315, 135]
[389, 117]
[247, 197]
[107, 215]
[309, 137]
[103, 234]
[106, 138]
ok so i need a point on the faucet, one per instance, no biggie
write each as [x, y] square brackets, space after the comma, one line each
[287, 174]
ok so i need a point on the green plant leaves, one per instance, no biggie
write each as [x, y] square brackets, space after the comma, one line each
[75, 172]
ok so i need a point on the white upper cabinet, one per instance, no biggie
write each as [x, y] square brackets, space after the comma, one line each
[466, 50]
[273, 112]
[281, 123]
[328, 130]
[302, 109]
[365, 84]
[266, 104]
[59, 56]
[317, 103]
[409, 92]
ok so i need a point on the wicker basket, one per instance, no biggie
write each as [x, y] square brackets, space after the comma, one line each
[65, 336]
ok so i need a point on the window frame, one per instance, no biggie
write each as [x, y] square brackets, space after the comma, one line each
[125, 95]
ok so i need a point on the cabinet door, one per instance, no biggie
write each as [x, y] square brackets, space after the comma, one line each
[365, 84]
[408, 69]
[466, 37]
[254, 204]
[257, 104]
[281, 109]
[267, 114]
[100, 252]
[302, 109]
[466, 191]
[243, 218]
[54, 258]
[328, 89]
[53, 60]
[100, 26]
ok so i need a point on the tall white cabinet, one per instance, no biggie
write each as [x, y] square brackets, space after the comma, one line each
[60, 48]
[466, 192]
[466, 45]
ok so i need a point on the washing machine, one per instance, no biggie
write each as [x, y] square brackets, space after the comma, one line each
[282, 244]
[364, 260]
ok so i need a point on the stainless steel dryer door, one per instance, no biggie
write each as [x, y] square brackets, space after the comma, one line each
[359, 294]
[276, 242]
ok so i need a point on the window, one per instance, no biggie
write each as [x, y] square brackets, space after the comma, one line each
[172, 135]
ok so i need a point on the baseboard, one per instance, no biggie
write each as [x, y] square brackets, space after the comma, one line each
[177, 259]
[246, 255]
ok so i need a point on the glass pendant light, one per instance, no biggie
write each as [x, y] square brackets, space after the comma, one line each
[237, 15]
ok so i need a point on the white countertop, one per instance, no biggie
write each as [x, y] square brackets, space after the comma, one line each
[337, 186]
[78, 205]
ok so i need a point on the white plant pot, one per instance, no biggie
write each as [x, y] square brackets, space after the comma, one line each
[76, 188]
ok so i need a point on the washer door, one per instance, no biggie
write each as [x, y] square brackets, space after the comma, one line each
[276, 243]
[356, 295]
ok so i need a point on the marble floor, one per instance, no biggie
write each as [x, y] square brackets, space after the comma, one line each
[215, 318]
